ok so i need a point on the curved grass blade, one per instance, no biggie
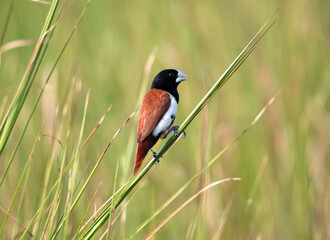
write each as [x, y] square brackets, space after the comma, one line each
[17, 44]
[149, 236]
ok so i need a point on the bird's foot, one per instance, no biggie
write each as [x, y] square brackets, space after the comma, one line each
[175, 130]
[154, 154]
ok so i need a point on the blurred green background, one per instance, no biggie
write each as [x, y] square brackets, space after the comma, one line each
[283, 161]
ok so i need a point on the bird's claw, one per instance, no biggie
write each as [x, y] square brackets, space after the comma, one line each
[154, 154]
[184, 134]
[175, 129]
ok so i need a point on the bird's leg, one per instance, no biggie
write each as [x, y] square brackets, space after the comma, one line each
[175, 129]
[154, 154]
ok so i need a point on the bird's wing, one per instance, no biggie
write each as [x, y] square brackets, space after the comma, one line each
[154, 105]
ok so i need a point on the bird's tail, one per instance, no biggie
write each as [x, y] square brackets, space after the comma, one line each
[142, 150]
[141, 153]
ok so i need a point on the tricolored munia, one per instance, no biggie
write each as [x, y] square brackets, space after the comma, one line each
[157, 112]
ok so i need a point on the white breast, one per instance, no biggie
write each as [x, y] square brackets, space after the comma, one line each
[167, 119]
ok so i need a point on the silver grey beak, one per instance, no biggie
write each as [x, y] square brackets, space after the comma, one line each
[181, 77]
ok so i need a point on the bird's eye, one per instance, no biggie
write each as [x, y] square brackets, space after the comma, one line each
[171, 74]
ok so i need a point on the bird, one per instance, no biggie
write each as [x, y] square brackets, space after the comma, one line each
[157, 112]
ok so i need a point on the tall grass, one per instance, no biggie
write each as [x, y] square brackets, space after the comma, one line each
[65, 152]
[23, 89]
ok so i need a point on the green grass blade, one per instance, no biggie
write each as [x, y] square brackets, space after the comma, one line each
[11, 6]
[113, 201]
[3, 104]
[85, 215]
